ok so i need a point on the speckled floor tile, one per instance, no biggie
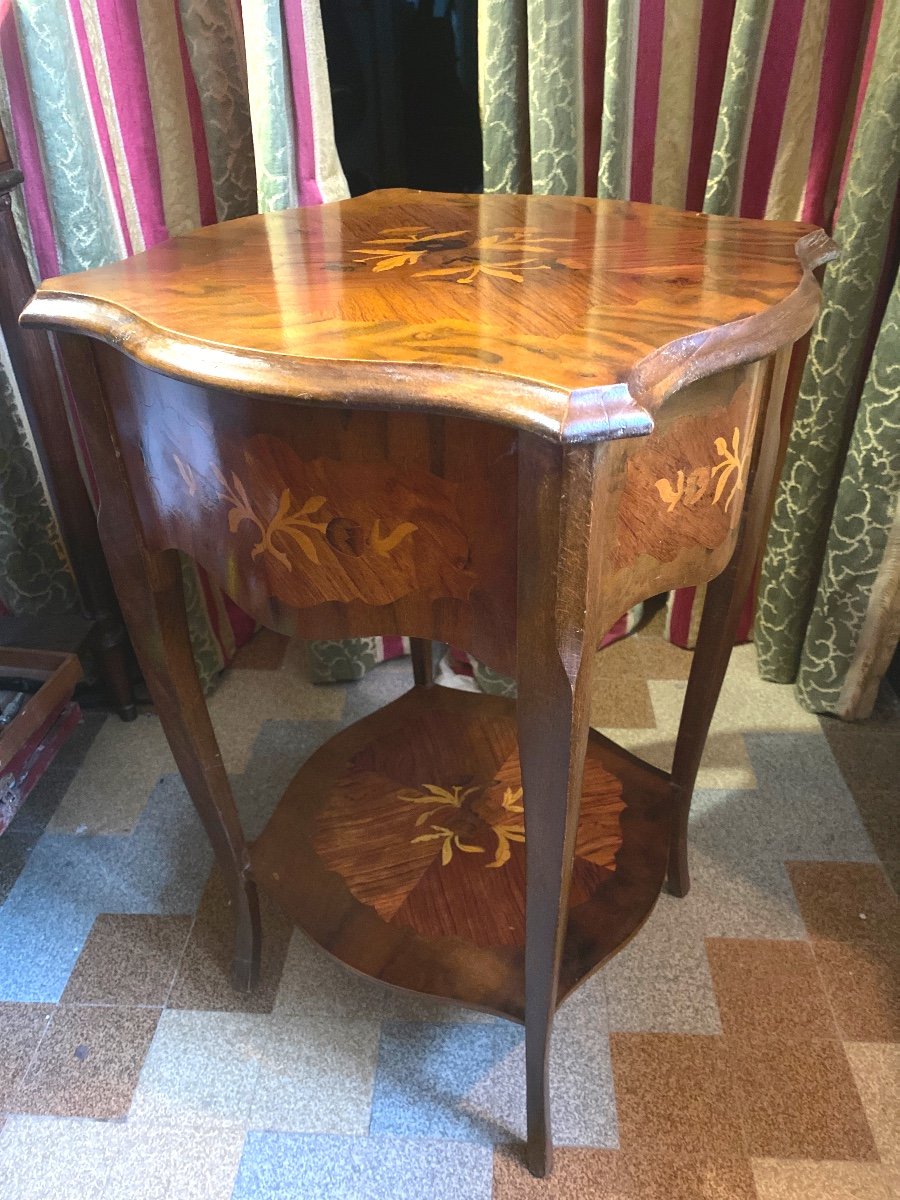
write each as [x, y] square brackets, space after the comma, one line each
[797, 1099]
[664, 1173]
[620, 698]
[203, 978]
[201, 1067]
[676, 1090]
[284, 1166]
[14, 852]
[786, 1180]
[868, 754]
[578, 1174]
[862, 980]
[68, 881]
[21, 1028]
[880, 813]
[770, 988]
[279, 751]
[876, 1069]
[739, 897]
[283, 695]
[159, 1161]
[128, 959]
[467, 1082]
[46, 1158]
[88, 1062]
[660, 982]
[316, 1076]
[119, 772]
[746, 704]
[846, 901]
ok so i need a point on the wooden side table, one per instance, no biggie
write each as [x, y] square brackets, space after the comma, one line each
[495, 421]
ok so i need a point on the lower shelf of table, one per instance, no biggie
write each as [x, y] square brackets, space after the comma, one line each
[399, 848]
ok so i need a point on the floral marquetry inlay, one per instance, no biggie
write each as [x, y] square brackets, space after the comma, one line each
[690, 488]
[461, 256]
[320, 529]
[467, 831]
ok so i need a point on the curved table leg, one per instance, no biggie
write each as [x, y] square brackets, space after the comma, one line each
[422, 660]
[556, 622]
[153, 607]
[148, 586]
[722, 606]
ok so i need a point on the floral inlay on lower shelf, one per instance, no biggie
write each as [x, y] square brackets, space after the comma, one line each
[691, 488]
[465, 813]
[461, 255]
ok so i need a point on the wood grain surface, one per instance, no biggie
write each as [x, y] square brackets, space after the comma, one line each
[342, 853]
[570, 318]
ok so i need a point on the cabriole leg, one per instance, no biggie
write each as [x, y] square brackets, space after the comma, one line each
[556, 620]
[722, 606]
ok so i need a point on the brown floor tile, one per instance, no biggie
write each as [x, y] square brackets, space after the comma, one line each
[88, 1063]
[687, 1177]
[577, 1175]
[264, 652]
[798, 1100]
[203, 980]
[769, 987]
[778, 1179]
[880, 812]
[876, 1070]
[862, 980]
[867, 755]
[846, 901]
[128, 960]
[580, 1174]
[21, 1029]
[620, 698]
[676, 1093]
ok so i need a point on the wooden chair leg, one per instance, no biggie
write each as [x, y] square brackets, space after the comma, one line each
[722, 607]
[422, 660]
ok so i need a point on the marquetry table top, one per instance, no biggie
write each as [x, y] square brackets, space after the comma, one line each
[582, 314]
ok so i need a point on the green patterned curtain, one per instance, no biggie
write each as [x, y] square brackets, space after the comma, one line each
[758, 108]
[831, 621]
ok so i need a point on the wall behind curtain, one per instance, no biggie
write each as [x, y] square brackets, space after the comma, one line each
[749, 107]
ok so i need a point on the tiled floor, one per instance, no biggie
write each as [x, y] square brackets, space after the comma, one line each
[743, 1047]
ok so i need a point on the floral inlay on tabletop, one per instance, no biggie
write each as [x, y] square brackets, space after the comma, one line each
[461, 255]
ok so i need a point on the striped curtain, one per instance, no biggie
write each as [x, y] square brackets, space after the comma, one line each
[134, 120]
[785, 109]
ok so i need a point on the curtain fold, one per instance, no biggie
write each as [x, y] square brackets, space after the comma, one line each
[760, 108]
[133, 121]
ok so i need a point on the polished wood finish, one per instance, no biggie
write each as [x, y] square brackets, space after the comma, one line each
[400, 847]
[494, 421]
[569, 318]
[33, 360]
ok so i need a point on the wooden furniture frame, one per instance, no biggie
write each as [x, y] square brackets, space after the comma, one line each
[494, 421]
[40, 726]
[32, 355]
